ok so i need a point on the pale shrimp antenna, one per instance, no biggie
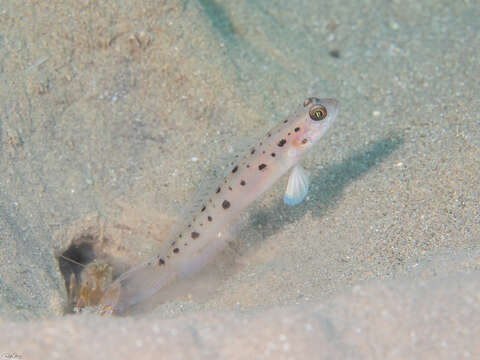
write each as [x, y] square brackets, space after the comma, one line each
[72, 261]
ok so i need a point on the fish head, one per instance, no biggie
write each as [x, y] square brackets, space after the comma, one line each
[312, 122]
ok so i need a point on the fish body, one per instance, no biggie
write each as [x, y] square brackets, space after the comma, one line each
[198, 241]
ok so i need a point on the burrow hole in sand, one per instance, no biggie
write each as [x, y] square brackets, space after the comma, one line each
[86, 269]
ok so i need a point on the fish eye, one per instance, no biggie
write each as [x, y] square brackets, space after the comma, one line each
[318, 113]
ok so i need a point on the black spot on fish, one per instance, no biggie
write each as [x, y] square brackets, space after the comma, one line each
[285, 121]
[161, 261]
[273, 154]
[226, 204]
[195, 235]
[252, 152]
[242, 182]
[230, 188]
[176, 250]
[203, 208]
[248, 165]
[234, 169]
[209, 218]
[297, 129]
[262, 166]
[218, 190]
[304, 141]
[282, 142]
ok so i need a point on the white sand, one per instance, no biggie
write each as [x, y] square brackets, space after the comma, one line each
[104, 106]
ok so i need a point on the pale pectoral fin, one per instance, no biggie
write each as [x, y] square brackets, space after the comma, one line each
[297, 187]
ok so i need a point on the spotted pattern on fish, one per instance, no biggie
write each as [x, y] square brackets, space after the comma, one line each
[280, 149]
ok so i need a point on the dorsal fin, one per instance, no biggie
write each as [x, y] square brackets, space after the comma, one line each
[212, 179]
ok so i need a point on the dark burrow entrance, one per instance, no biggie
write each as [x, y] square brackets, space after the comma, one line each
[85, 271]
[74, 259]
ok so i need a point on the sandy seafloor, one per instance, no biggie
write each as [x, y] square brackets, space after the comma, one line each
[112, 114]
